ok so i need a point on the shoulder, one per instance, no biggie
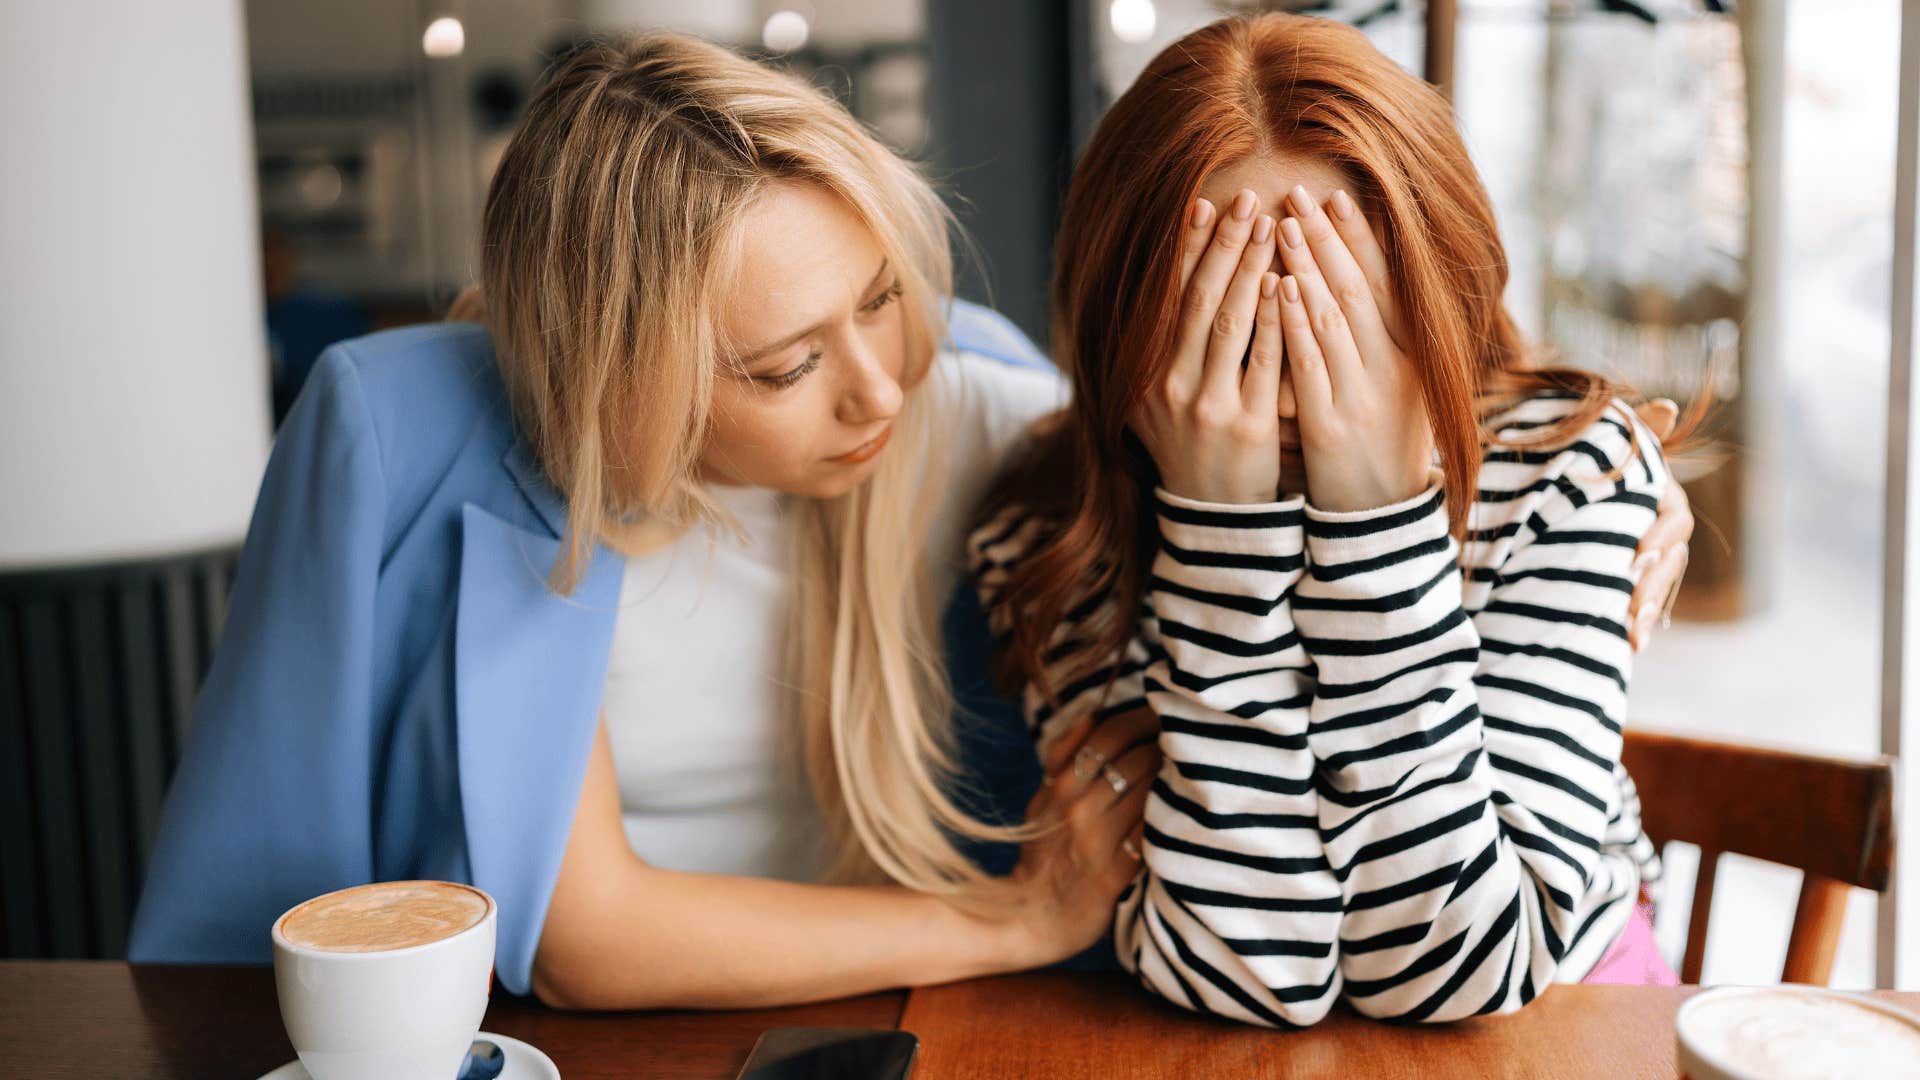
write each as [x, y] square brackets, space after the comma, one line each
[990, 383]
[977, 329]
[423, 390]
[992, 400]
[995, 382]
[1537, 438]
[1004, 538]
[983, 410]
[425, 404]
[1545, 471]
[426, 370]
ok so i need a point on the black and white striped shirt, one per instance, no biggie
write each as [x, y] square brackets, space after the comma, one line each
[1392, 767]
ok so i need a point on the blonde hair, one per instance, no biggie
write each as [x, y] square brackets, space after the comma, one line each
[611, 226]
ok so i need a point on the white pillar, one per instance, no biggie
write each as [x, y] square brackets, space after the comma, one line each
[1763, 29]
[133, 372]
[1898, 962]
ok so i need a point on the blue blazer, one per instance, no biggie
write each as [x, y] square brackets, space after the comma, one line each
[397, 694]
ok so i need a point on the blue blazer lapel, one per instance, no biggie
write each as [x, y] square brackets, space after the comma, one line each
[529, 667]
[532, 482]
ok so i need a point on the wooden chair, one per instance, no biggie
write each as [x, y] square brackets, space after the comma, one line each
[1831, 818]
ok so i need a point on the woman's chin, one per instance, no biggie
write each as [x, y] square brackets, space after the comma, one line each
[832, 481]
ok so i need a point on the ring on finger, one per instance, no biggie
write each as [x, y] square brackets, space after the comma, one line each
[1087, 762]
[1116, 779]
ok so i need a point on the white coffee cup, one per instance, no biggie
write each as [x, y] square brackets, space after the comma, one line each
[368, 1010]
[1776, 1032]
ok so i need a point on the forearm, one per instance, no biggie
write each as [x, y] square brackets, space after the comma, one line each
[1238, 911]
[1382, 614]
[1428, 883]
[1500, 833]
[668, 939]
[620, 934]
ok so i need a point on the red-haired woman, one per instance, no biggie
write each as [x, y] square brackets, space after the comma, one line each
[1388, 691]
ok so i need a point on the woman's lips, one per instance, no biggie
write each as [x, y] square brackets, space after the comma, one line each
[866, 450]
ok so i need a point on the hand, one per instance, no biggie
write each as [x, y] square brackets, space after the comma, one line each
[1094, 796]
[1661, 559]
[1364, 431]
[1213, 431]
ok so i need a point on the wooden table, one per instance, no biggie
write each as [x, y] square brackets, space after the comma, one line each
[63, 1019]
[98, 1020]
[1053, 1025]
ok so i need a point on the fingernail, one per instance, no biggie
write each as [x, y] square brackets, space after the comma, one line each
[1291, 288]
[1202, 213]
[1243, 204]
[1268, 283]
[1263, 229]
[1301, 200]
[1342, 205]
[1290, 231]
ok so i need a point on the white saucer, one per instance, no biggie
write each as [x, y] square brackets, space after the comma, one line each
[524, 1062]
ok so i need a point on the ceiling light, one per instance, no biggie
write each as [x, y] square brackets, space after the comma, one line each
[785, 31]
[445, 38]
[1132, 20]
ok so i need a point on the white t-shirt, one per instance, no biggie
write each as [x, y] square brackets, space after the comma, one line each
[711, 778]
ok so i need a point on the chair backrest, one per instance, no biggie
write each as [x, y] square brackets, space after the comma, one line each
[1829, 817]
[98, 670]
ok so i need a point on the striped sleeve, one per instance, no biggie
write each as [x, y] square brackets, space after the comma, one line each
[1236, 911]
[1470, 764]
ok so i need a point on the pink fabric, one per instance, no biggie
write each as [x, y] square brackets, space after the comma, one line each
[1633, 959]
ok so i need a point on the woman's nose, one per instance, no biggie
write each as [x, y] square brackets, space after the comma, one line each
[872, 392]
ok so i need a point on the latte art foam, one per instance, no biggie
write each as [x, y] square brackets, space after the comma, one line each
[1790, 1035]
[384, 916]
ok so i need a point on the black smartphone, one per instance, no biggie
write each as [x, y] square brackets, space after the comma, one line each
[800, 1053]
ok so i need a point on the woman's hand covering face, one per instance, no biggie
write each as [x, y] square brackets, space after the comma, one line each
[1212, 424]
[1356, 390]
[1364, 431]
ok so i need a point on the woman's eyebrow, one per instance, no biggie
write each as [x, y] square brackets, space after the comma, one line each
[752, 355]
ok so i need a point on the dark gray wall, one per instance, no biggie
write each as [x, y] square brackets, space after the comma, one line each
[1007, 81]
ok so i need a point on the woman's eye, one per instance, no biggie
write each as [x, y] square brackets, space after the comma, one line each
[788, 378]
[893, 293]
[800, 371]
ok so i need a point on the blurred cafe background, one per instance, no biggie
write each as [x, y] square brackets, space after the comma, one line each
[199, 196]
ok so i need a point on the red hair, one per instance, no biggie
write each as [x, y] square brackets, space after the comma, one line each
[1241, 88]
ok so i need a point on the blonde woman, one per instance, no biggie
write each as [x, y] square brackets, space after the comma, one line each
[618, 600]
